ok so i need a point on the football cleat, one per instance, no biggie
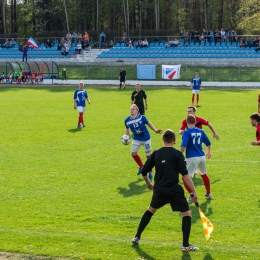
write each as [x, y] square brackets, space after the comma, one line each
[79, 125]
[135, 240]
[83, 125]
[139, 171]
[189, 248]
[209, 196]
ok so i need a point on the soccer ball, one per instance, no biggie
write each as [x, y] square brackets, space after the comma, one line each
[125, 139]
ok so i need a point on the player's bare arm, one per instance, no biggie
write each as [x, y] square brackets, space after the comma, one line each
[148, 183]
[146, 104]
[154, 129]
[215, 135]
[127, 131]
[88, 101]
[75, 105]
[207, 153]
[182, 149]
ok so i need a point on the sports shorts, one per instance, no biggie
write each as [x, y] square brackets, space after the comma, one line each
[195, 91]
[136, 144]
[81, 109]
[173, 195]
[194, 164]
[122, 79]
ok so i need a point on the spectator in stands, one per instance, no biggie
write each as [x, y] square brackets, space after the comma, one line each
[68, 36]
[38, 77]
[191, 35]
[227, 33]
[201, 38]
[12, 43]
[204, 35]
[182, 36]
[217, 36]
[66, 48]
[74, 37]
[257, 44]
[130, 44]
[172, 43]
[242, 43]
[233, 35]
[249, 43]
[25, 52]
[86, 40]
[79, 48]
[20, 47]
[79, 36]
[196, 36]
[2, 77]
[62, 41]
[102, 40]
[48, 44]
[145, 43]
[186, 36]
[211, 36]
[6, 43]
[222, 35]
[124, 38]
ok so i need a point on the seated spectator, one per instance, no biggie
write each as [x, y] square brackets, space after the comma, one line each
[20, 47]
[242, 43]
[249, 43]
[6, 43]
[201, 38]
[12, 43]
[66, 48]
[2, 77]
[130, 44]
[257, 45]
[38, 77]
[68, 36]
[79, 48]
[48, 44]
[170, 43]
[15, 76]
[145, 43]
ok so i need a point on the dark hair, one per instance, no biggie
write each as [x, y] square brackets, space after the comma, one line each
[169, 136]
[193, 108]
[191, 119]
[255, 117]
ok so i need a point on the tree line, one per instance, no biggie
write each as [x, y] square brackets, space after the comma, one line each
[46, 18]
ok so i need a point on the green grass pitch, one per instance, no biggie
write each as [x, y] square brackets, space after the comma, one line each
[74, 193]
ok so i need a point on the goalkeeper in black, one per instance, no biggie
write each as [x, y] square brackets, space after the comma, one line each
[122, 78]
[168, 162]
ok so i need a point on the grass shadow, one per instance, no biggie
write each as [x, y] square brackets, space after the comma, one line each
[206, 209]
[75, 130]
[133, 189]
[142, 253]
[186, 256]
[208, 257]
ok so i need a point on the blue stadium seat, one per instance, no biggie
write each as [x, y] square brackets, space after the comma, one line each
[122, 44]
[207, 44]
[192, 44]
[156, 44]
[151, 44]
[223, 44]
[217, 44]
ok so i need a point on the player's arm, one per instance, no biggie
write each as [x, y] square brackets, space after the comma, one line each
[215, 135]
[146, 104]
[75, 104]
[183, 126]
[154, 129]
[182, 149]
[88, 99]
[149, 164]
[127, 131]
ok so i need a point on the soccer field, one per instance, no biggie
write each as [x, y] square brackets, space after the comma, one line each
[74, 193]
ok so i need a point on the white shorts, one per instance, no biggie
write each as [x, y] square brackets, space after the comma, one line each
[196, 164]
[146, 144]
[194, 91]
[81, 109]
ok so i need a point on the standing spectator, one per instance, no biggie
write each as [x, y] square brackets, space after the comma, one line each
[122, 77]
[80, 97]
[211, 36]
[62, 41]
[130, 43]
[74, 37]
[255, 121]
[20, 47]
[234, 36]
[138, 97]
[137, 123]
[182, 36]
[86, 40]
[222, 35]
[196, 86]
[68, 36]
[79, 36]
[124, 38]
[7, 43]
[25, 52]
[102, 40]
[227, 35]
[186, 36]
[168, 163]
[192, 140]
[48, 44]
[196, 36]
[199, 122]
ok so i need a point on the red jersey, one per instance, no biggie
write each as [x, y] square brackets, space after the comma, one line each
[258, 132]
[199, 122]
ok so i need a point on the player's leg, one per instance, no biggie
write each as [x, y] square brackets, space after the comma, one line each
[134, 152]
[203, 173]
[259, 104]
[80, 119]
[141, 109]
[148, 149]
[192, 165]
[124, 84]
[120, 84]
[198, 98]
[192, 97]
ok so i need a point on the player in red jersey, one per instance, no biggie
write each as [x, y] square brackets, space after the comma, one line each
[199, 122]
[255, 121]
[259, 104]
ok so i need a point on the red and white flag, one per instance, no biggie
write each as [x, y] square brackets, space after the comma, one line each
[32, 42]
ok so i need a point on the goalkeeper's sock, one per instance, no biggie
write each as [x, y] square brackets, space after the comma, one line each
[206, 182]
[120, 85]
[138, 160]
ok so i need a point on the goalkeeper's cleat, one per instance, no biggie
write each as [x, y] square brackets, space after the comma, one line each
[209, 196]
[189, 248]
[139, 171]
[135, 240]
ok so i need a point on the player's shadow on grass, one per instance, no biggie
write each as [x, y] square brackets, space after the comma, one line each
[141, 253]
[75, 130]
[133, 189]
[186, 256]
